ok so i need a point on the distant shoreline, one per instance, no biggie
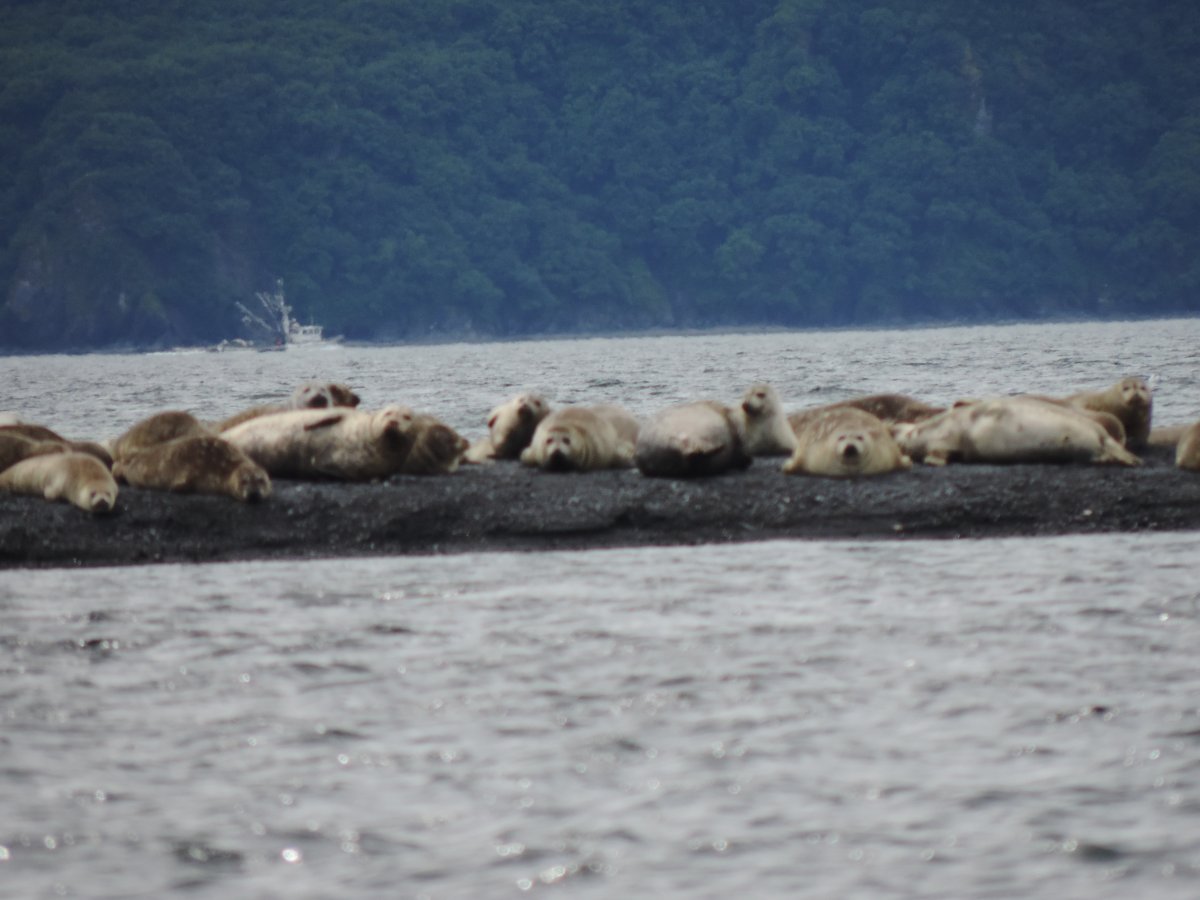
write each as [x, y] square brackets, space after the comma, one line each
[713, 331]
[509, 507]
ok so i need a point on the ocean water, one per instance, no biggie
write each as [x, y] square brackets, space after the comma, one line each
[954, 719]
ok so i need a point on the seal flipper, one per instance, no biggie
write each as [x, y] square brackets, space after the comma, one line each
[325, 421]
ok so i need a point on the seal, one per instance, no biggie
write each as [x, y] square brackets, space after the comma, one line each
[157, 429]
[583, 439]
[845, 442]
[437, 449]
[891, 408]
[1187, 451]
[322, 395]
[16, 447]
[1011, 430]
[196, 463]
[692, 440]
[346, 444]
[1166, 436]
[42, 433]
[79, 478]
[1130, 400]
[309, 395]
[767, 430]
[510, 428]
[1110, 423]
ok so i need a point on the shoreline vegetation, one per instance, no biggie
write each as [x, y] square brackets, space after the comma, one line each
[448, 339]
[510, 507]
[508, 169]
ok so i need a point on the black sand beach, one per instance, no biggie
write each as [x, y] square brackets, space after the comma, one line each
[508, 507]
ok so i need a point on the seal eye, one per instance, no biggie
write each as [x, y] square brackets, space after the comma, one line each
[492, 422]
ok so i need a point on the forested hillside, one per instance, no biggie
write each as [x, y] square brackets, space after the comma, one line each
[501, 167]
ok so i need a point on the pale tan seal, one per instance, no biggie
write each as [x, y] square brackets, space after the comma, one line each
[437, 449]
[1130, 400]
[349, 444]
[198, 463]
[583, 439]
[845, 442]
[78, 478]
[1166, 436]
[1011, 430]
[322, 395]
[1111, 424]
[765, 424]
[309, 395]
[1187, 450]
[692, 440]
[42, 433]
[510, 428]
[891, 408]
[157, 429]
[16, 447]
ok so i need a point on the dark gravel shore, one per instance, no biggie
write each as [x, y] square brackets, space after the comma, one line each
[508, 507]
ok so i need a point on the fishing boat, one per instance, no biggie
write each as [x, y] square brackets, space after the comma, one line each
[275, 323]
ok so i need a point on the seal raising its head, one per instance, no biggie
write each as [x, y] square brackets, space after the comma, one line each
[844, 442]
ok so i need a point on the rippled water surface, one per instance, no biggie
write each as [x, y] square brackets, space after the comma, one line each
[950, 719]
[1003, 718]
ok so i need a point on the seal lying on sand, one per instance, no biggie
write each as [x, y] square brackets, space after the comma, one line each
[844, 442]
[890, 408]
[198, 463]
[348, 444]
[1011, 430]
[15, 447]
[79, 478]
[157, 429]
[510, 428]
[1166, 436]
[764, 423]
[1187, 450]
[1130, 400]
[42, 433]
[309, 395]
[583, 439]
[692, 440]
[437, 449]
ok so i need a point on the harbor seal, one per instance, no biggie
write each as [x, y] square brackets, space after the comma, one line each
[891, 408]
[322, 395]
[691, 440]
[1187, 451]
[78, 478]
[1166, 436]
[766, 427]
[196, 463]
[510, 428]
[309, 395]
[157, 429]
[1011, 430]
[42, 433]
[583, 439]
[344, 443]
[844, 442]
[437, 449]
[16, 447]
[1130, 400]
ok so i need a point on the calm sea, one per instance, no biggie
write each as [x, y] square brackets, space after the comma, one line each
[950, 719]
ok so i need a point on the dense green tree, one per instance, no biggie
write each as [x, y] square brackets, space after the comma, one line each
[500, 168]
